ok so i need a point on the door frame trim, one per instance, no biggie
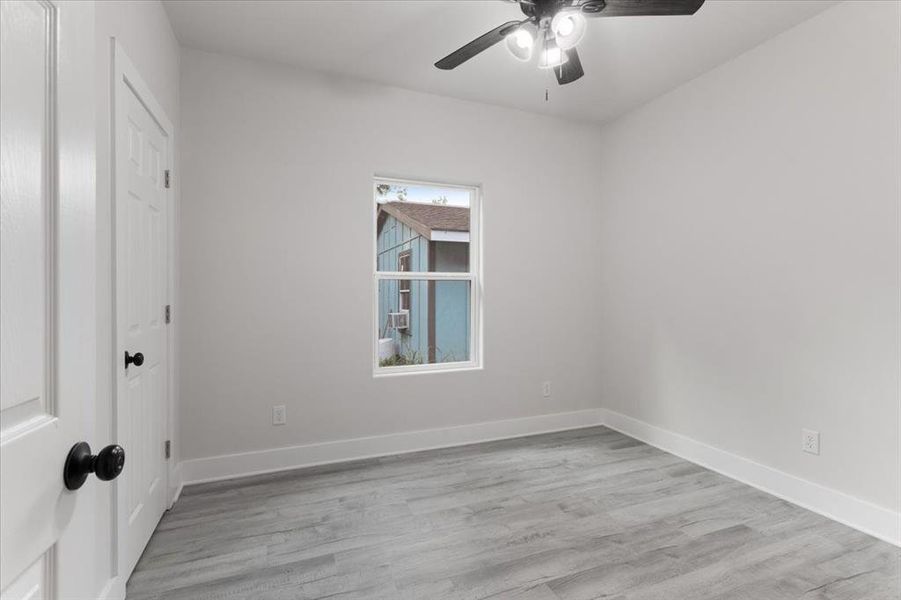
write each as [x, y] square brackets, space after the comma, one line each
[123, 70]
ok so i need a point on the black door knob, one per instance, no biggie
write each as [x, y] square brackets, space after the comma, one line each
[137, 360]
[106, 464]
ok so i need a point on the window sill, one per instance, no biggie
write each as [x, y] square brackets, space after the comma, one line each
[386, 372]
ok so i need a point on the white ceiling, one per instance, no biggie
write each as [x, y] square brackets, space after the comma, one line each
[627, 60]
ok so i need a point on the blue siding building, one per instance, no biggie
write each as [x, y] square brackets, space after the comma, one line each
[428, 238]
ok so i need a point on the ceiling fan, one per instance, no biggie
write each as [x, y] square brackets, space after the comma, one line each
[555, 27]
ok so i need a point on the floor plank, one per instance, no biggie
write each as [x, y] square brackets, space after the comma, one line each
[575, 515]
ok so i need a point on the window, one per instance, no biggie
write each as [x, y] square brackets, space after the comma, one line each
[426, 277]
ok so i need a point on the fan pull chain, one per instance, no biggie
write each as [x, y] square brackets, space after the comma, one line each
[545, 94]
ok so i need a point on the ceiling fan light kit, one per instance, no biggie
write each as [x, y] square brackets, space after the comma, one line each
[551, 55]
[568, 27]
[521, 43]
[556, 27]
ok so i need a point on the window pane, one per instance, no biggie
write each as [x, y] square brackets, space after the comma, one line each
[423, 322]
[422, 228]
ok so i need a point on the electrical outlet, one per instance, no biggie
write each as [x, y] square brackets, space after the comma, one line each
[546, 389]
[279, 415]
[810, 441]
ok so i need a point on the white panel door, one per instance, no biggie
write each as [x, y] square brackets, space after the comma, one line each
[47, 304]
[141, 291]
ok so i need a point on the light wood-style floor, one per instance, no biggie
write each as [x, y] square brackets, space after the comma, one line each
[574, 515]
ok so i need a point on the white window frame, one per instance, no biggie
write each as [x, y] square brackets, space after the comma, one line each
[474, 277]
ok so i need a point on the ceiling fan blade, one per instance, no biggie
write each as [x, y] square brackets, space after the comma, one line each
[571, 69]
[640, 8]
[481, 43]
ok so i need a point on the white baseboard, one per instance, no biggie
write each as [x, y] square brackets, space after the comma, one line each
[176, 484]
[864, 516]
[229, 466]
[113, 590]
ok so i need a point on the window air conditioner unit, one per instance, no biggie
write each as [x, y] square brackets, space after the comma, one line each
[399, 320]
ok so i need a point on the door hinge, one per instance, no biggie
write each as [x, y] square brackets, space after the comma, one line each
[168, 447]
[166, 180]
[168, 313]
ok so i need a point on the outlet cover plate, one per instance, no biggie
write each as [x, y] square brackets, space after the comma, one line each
[810, 441]
[546, 389]
[279, 415]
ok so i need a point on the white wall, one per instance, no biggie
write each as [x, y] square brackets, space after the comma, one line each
[277, 256]
[749, 250]
[142, 29]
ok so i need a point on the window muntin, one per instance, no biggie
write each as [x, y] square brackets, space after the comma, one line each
[426, 273]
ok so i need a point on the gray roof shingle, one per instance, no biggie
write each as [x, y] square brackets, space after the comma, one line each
[429, 216]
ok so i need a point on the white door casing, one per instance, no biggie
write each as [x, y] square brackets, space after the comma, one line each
[47, 295]
[142, 154]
